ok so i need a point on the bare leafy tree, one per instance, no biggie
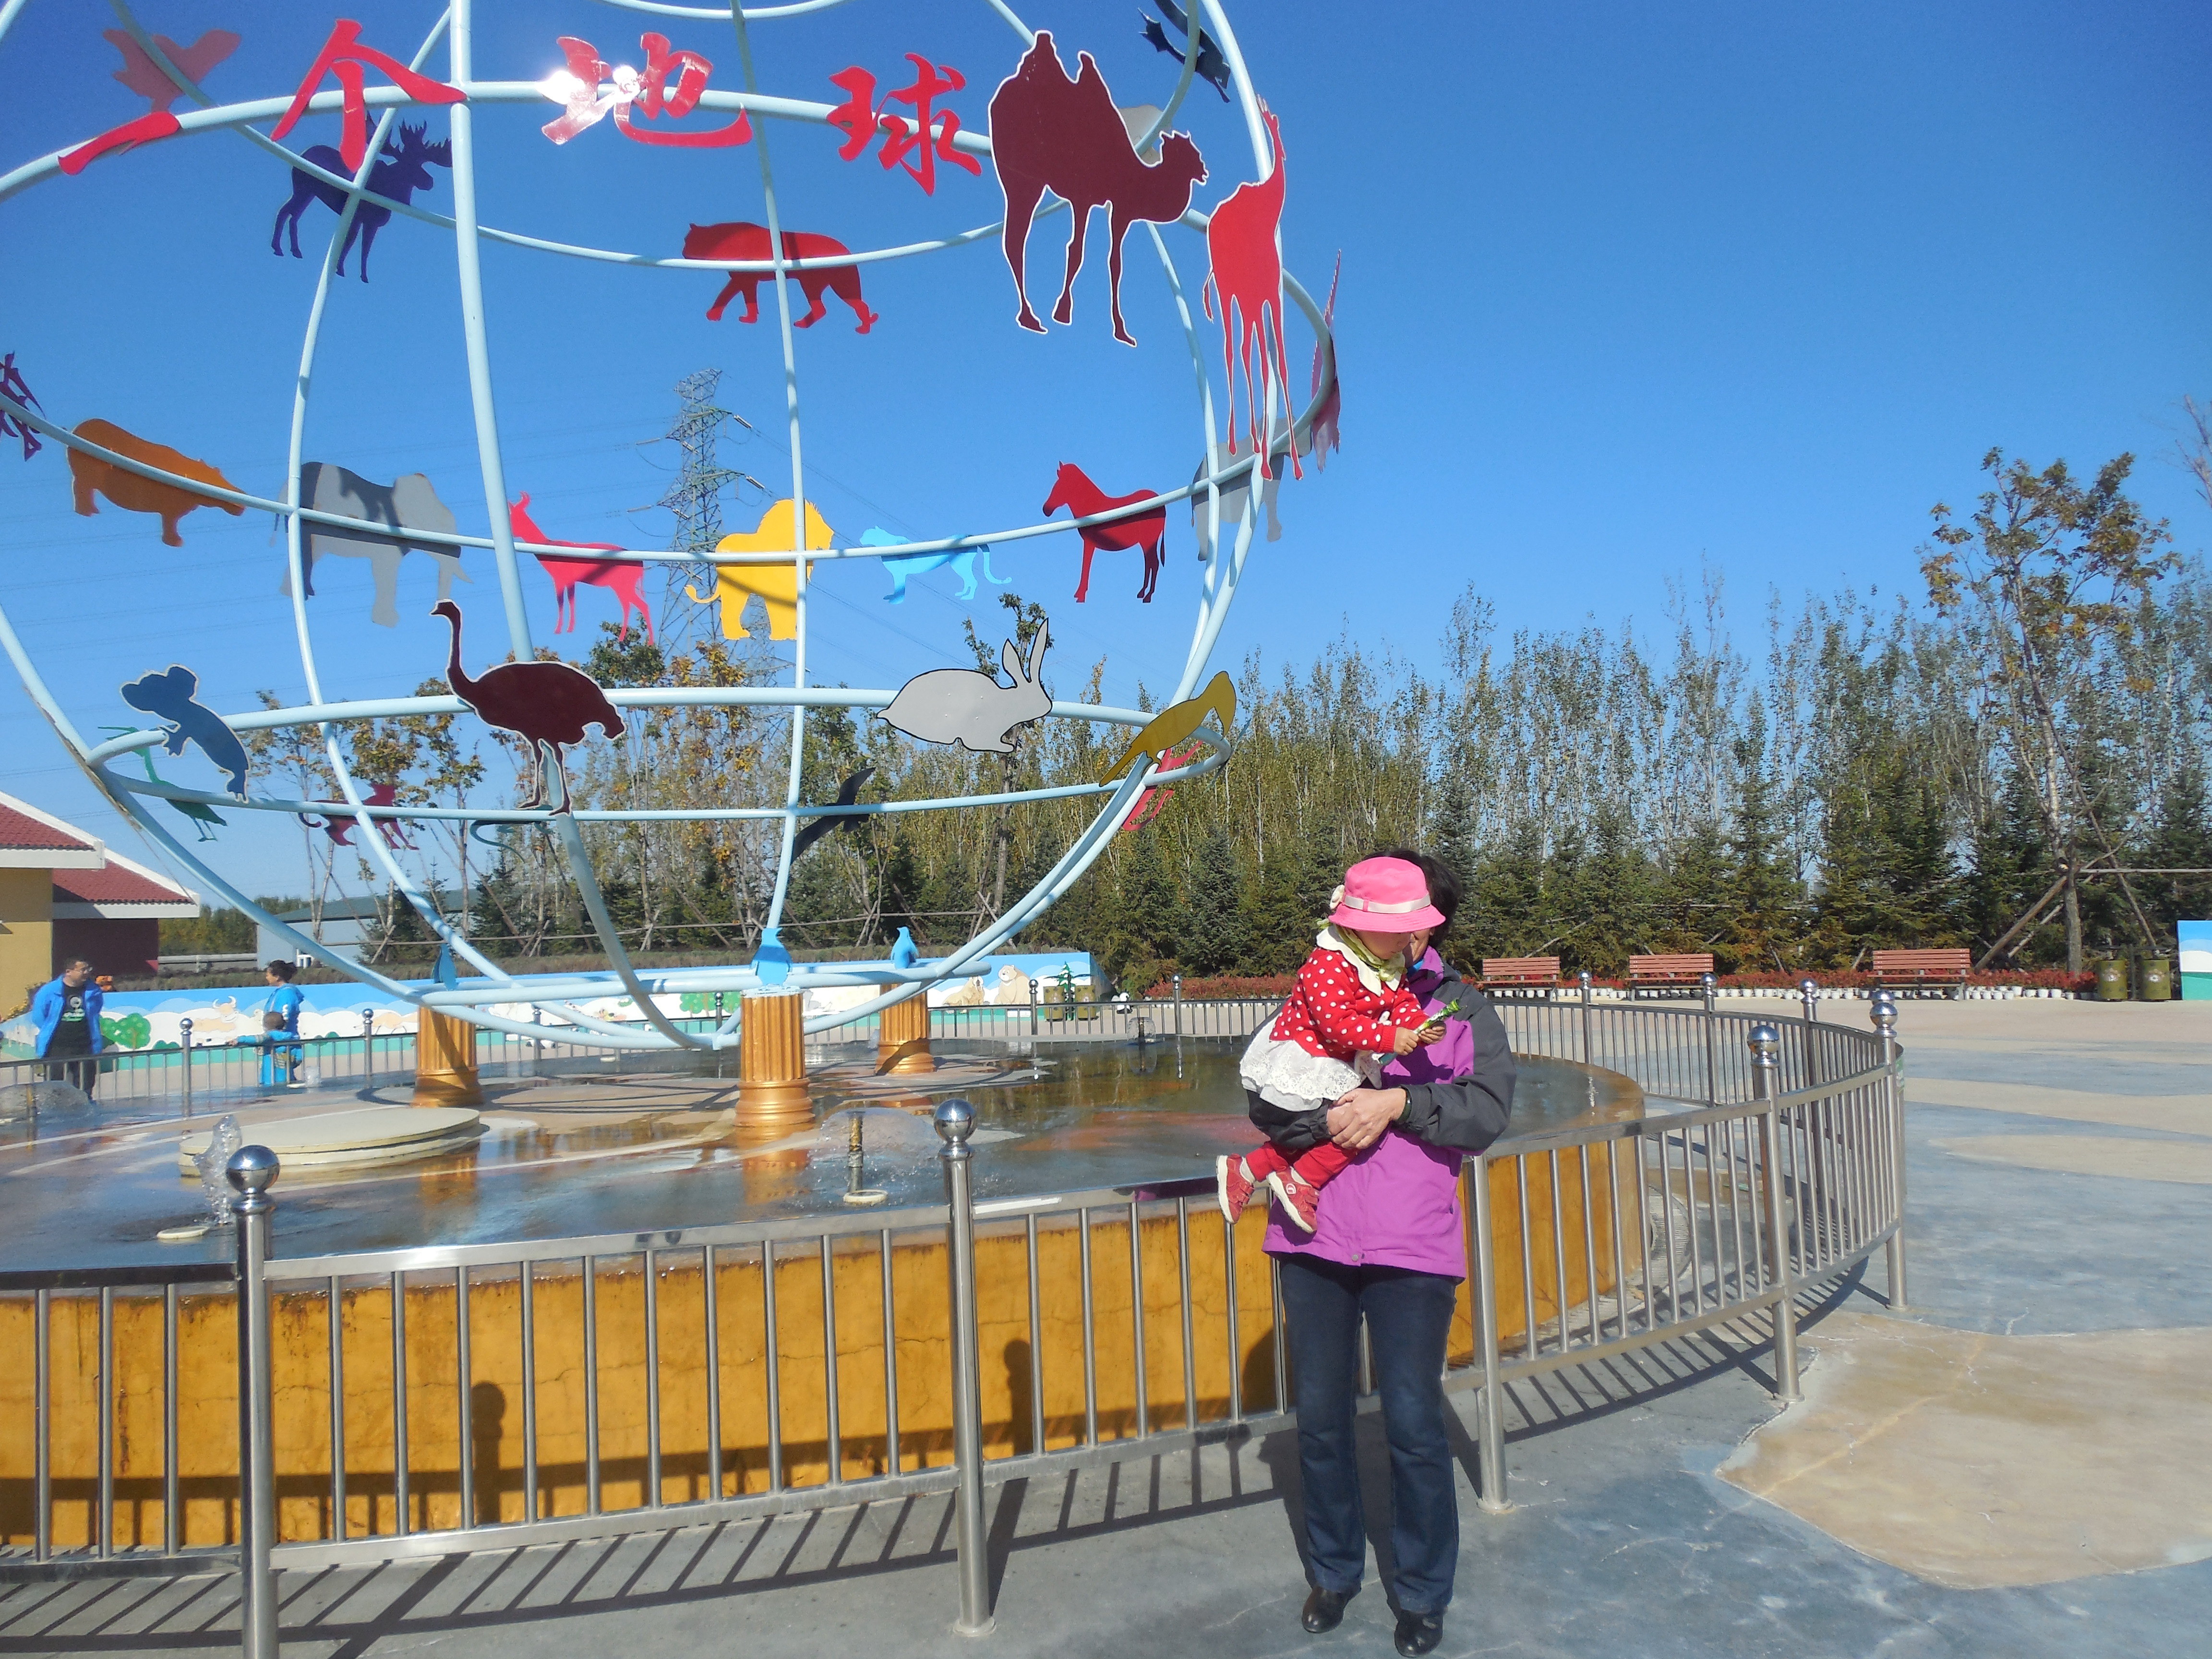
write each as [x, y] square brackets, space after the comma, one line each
[2046, 579]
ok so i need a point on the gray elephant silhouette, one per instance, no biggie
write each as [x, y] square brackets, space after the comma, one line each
[170, 695]
[406, 503]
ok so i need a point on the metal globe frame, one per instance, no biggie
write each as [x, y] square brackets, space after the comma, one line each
[558, 995]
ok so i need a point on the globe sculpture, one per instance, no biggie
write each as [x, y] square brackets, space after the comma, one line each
[1055, 140]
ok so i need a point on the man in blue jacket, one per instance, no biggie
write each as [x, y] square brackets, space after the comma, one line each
[66, 1012]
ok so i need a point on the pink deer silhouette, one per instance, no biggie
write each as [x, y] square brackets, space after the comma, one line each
[1247, 274]
[620, 577]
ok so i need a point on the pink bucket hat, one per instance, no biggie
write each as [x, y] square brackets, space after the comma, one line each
[1384, 895]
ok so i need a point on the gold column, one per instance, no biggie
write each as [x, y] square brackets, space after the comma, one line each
[445, 1061]
[771, 1062]
[902, 1044]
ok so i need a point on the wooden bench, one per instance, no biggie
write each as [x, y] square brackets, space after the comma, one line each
[1921, 968]
[1520, 973]
[1655, 972]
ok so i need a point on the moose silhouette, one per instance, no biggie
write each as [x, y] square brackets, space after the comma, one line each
[397, 174]
[1049, 132]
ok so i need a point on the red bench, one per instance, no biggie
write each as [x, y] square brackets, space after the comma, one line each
[1945, 968]
[1688, 968]
[1520, 973]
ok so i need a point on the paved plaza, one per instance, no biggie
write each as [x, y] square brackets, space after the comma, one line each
[2017, 1465]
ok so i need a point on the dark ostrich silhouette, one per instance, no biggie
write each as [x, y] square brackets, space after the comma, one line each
[551, 704]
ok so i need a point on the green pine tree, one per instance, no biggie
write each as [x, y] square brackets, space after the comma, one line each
[1212, 938]
[1762, 934]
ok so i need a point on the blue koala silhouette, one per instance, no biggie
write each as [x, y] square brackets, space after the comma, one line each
[169, 695]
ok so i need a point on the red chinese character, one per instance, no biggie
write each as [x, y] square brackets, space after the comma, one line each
[928, 136]
[158, 124]
[344, 55]
[578, 87]
[1152, 801]
[144, 76]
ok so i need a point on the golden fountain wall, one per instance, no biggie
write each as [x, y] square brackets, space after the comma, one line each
[207, 1404]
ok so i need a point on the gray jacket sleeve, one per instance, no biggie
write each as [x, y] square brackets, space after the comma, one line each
[1468, 1113]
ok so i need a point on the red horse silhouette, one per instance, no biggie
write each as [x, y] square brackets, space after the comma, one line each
[1048, 132]
[1074, 491]
[620, 577]
[1247, 274]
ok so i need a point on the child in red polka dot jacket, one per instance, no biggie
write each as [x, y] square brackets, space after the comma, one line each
[1349, 1010]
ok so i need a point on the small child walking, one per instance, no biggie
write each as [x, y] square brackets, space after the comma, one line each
[1349, 1008]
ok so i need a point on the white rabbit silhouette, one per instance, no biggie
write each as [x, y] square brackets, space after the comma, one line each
[970, 707]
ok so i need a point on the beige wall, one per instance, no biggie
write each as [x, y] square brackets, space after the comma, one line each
[27, 947]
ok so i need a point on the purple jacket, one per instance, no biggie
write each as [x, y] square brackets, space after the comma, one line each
[1397, 1204]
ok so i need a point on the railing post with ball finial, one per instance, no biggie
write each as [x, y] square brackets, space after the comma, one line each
[1884, 1017]
[1712, 1056]
[955, 1121]
[1766, 1042]
[251, 1172]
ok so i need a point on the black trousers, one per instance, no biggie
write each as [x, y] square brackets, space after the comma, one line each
[1408, 1317]
[81, 1069]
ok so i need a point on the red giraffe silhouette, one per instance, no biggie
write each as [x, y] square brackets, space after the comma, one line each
[620, 577]
[1074, 490]
[1247, 274]
[1051, 133]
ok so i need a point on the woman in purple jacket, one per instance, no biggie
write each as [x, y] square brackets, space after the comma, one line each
[1390, 1247]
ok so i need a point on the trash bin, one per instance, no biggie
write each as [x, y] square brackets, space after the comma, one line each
[2157, 982]
[2112, 979]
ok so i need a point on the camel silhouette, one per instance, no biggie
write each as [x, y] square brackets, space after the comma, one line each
[1049, 132]
[549, 703]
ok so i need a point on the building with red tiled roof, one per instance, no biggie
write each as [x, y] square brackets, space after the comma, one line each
[62, 894]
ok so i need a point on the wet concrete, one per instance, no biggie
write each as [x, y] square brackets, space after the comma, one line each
[1625, 1538]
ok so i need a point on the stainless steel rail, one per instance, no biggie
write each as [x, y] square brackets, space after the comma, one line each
[1769, 1163]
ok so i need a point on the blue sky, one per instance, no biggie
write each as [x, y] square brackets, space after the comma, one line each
[1627, 291]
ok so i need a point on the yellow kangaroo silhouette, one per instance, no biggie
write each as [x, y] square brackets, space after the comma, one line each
[776, 584]
[1178, 721]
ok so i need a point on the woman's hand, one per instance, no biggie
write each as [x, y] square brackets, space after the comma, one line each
[1357, 1121]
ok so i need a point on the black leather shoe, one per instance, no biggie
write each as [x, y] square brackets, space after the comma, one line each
[1419, 1632]
[1324, 1611]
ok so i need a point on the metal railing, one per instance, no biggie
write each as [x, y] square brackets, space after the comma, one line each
[202, 1075]
[592, 1386]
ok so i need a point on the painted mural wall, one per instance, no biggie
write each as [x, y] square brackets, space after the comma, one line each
[154, 1019]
